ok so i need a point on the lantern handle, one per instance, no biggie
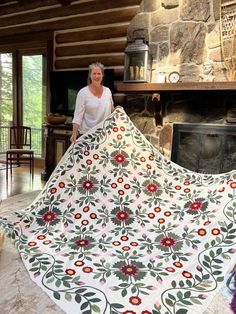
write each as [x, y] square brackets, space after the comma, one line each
[140, 37]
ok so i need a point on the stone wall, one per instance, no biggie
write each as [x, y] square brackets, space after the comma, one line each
[182, 35]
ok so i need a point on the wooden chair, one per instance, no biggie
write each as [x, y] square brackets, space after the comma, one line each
[20, 151]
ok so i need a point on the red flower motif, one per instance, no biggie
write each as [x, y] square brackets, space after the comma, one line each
[152, 187]
[70, 272]
[127, 186]
[32, 243]
[170, 269]
[119, 158]
[202, 232]
[233, 185]
[129, 312]
[79, 263]
[93, 216]
[61, 184]
[82, 242]
[135, 300]
[178, 187]
[146, 312]
[195, 206]
[178, 264]
[88, 185]
[46, 242]
[116, 243]
[186, 190]
[187, 274]
[168, 241]
[215, 231]
[130, 270]
[87, 269]
[49, 216]
[122, 215]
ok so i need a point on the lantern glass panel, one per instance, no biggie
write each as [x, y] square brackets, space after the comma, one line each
[137, 62]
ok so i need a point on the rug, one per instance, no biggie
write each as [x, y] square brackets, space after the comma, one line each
[19, 294]
[119, 229]
[3, 166]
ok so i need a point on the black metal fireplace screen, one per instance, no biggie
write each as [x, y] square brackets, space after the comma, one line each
[204, 148]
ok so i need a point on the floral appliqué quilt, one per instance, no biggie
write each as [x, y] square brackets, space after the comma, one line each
[119, 229]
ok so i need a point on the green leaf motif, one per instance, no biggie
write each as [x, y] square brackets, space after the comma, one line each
[169, 302]
[56, 295]
[96, 308]
[84, 305]
[182, 311]
[117, 306]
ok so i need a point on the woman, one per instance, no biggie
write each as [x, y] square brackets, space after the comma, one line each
[93, 103]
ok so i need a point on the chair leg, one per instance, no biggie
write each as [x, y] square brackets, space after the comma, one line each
[7, 168]
[32, 163]
[11, 168]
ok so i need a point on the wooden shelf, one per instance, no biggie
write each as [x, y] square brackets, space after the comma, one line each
[149, 88]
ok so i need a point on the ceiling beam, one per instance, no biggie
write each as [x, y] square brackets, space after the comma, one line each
[64, 2]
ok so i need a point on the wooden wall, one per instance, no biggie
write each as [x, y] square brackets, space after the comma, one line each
[84, 31]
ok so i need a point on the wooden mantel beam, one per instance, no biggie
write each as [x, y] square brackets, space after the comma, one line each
[150, 88]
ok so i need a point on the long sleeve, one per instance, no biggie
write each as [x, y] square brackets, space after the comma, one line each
[112, 102]
[79, 108]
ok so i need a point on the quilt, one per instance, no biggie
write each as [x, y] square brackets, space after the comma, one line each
[118, 229]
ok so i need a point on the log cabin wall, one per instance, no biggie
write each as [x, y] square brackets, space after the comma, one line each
[84, 30]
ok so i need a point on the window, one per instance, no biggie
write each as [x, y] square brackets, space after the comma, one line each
[23, 92]
[33, 97]
[6, 98]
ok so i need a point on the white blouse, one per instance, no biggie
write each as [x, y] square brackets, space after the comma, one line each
[91, 110]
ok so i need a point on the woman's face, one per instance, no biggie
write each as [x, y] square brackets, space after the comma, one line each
[96, 76]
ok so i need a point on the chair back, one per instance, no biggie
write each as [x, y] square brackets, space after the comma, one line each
[20, 137]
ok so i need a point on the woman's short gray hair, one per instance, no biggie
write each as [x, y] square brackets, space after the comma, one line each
[93, 66]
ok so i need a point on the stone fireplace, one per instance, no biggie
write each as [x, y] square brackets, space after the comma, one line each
[204, 148]
[183, 36]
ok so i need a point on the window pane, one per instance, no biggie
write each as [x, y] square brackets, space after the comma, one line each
[33, 98]
[6, 98]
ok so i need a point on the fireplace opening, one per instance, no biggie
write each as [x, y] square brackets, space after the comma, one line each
[204, 148]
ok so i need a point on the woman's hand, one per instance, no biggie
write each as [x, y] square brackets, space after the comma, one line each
[74, 134]
[73, 138]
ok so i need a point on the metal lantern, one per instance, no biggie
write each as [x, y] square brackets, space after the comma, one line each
[137, 62]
